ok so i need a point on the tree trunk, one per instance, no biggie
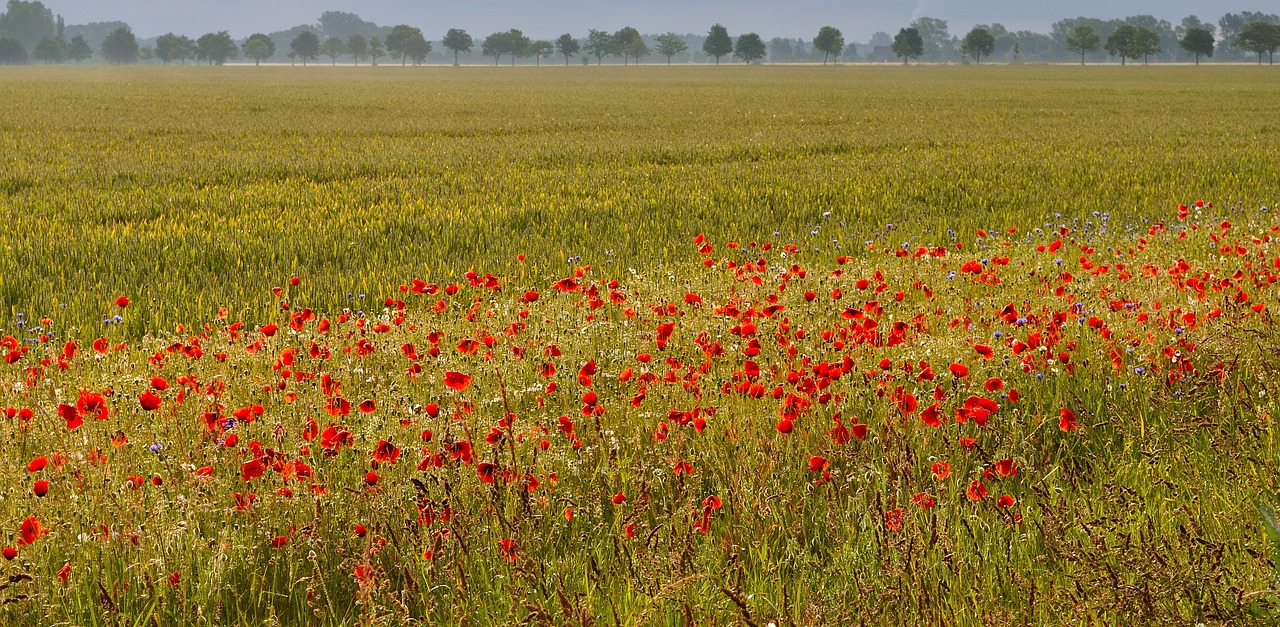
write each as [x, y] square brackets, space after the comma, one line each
[455, 57]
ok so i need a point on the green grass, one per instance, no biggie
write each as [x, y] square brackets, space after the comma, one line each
[194, 190]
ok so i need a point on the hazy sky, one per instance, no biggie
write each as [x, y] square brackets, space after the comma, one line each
[548, 18]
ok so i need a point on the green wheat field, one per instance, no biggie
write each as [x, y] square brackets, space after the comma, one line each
[639, 345]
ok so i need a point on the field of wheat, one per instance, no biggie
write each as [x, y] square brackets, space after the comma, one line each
[738, 345]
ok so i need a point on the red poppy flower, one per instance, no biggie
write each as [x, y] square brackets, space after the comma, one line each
[29, 531]
[360, 531]
[994, 384]
[149, 401]
[70, 414]
[252, 470]
[976, 490]
[38, 464]
[9, 553]
[279, 541]
[508, 548]
[368, 406]
[1066, 419]
[487, 471]
[386, 452]
[818, 463]
[619, 498]
[371, 478]
[457, 380]
[40, 488]
[122, 302]
[64, 572]
[959, 370]
[941, 470]
[1006, 501]
[924, 500]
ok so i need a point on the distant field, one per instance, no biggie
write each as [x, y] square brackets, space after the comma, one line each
[199, 187]
[639, 346]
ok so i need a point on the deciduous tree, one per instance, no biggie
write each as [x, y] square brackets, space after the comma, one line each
[567, 46]
[259, 47]
[1083, 40]
[1197, 42]
[830, 42]
[50, 50]
[977, 43]
[458, 41]
[671, 44]
[216, 48]
[718, 42]
[305, 46]
[907, 44]
[749, 48]
[333, 48]
[120, 47]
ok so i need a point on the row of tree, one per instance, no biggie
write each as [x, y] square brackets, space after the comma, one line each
[339, 34]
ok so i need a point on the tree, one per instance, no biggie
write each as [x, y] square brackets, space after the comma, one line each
[907, 44]
[671, 44]
[50, 50]
[718, 42]
[512, 42]
[567, 46]
[1197, 41]
[780, 50]
[12, 51]
[621, 40]
[120, 47]
[357, 47]
[599, 43]
[1083, 40]
[850, 52]
[171, 47]
[407, 41]
[78, 49]
[1120, 41]
[1146, 42]
[258, 47]
[637, 49]
[333, 48]
[305, 46]
[1260, 37]
[978, 42]
[28, 23]
[830, 41]
[749, 48]
[216, 48]
[935, 38]
[538, 49]
[146, 54]
[376, 49]
[457, 40]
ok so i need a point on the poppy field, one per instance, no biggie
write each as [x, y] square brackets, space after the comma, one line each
[590, 346]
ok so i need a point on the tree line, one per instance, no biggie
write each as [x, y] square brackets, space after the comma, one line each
[30, 32]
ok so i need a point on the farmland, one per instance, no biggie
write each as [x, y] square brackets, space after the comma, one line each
[639, 345]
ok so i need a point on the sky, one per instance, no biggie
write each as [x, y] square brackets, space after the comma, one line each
[858, 19]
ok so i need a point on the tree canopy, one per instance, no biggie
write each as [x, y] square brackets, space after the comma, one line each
[978, 43]
[749, 48]
[830, 42]
[908, 44]
[407, 43]
[1197, 42]
[216, 48]
[718, 42]
[567, 46]
[306, 46]
[1083, 40]
[12, 51]
[671, 44]
[259, 47]
[120, 47]
[27, 23]
[457, 40]
[1259, 37]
